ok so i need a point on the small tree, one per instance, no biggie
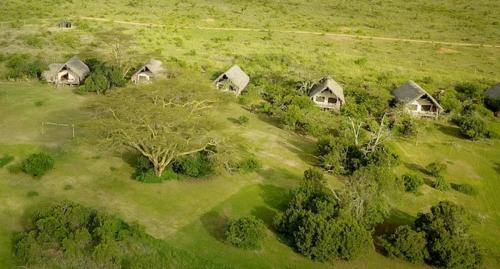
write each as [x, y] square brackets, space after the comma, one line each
[37, 164]
[246, 232]
[163, 122]
[436, 169]
[472, 126]
[315, 175]
[412, 182]
[406, 244]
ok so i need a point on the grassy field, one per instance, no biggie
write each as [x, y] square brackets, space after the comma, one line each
[191, 214]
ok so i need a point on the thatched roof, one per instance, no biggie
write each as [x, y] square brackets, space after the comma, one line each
[493, 92]
[239, 78]
[411, 91]
[328, 83]
[77, 66]
[74, 64]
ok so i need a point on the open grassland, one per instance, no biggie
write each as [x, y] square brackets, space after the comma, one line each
[191, 214]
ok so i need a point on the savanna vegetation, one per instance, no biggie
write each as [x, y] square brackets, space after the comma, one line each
[263, 180]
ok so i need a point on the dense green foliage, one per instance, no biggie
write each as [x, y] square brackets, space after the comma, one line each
[407, 126]
[24, 66]
[68, 235]
[37, 164]
[317, 226]
[196, 165]
[314, 174]
[405, 243]
[245, 232]
[448, 240]
[412, 182]
[472, 126]
[144, 171]
[103, 77]
[248, 165]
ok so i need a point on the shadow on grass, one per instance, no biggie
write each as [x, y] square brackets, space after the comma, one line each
[302, 147]
[449, 130]
[234, 120]
[215, 224]
[280, 175]
[396, 218]
[497, 167]
[416, 167]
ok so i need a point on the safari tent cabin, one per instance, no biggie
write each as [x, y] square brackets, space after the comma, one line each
[64, 24]
[233, 80]
[416, 100]
[73, 72]
[149, 71]
[327, 94]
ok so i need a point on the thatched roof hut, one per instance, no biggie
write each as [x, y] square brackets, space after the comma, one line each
[416, 100]
[327, 94]
[147, 72]
[233, 80]
[73, 72]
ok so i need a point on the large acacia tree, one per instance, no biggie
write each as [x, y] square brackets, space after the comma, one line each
[162, 121]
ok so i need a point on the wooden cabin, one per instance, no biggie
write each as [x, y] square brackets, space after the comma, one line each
[233, 80]
[416, 100]
[327, 94]
[72, 72]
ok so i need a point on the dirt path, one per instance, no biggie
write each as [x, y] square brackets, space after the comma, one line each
[337, 35]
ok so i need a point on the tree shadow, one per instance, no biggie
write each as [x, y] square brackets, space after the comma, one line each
[274, 174]
[265, 214]
[449, 130]
[396, 218]
[302, 147]
[234, 120]
[416, 167]
[215, 224]
[497, 167]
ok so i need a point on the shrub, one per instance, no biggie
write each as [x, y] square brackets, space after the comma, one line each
[243, 120]
[246, 232]
[436, 169]
[407, 126]
[144, 172]
[406, 244]
[472, 126]
[412, 182]
[37, 164]
[196, 165]
[249, 165]
[6, 159]
[441, 184]
[24, 66]
[68, 235]
[465, 189]
[449, 245]
[315, 175]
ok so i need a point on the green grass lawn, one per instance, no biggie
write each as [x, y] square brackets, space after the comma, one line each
[190, 214]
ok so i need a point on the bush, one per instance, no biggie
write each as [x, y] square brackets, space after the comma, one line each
[407, 126]
[246, 232]
[406, 244]
[196, 165]
[441, 184]
[465, 189]
[243, 120]
[436, 169]
[68, 235]
[6, 159]
[449, 245]
[24, 66]
[37, 164]
[144, 172]
[314, 174]
[472, 126]
[412, 182]
[251, 164]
